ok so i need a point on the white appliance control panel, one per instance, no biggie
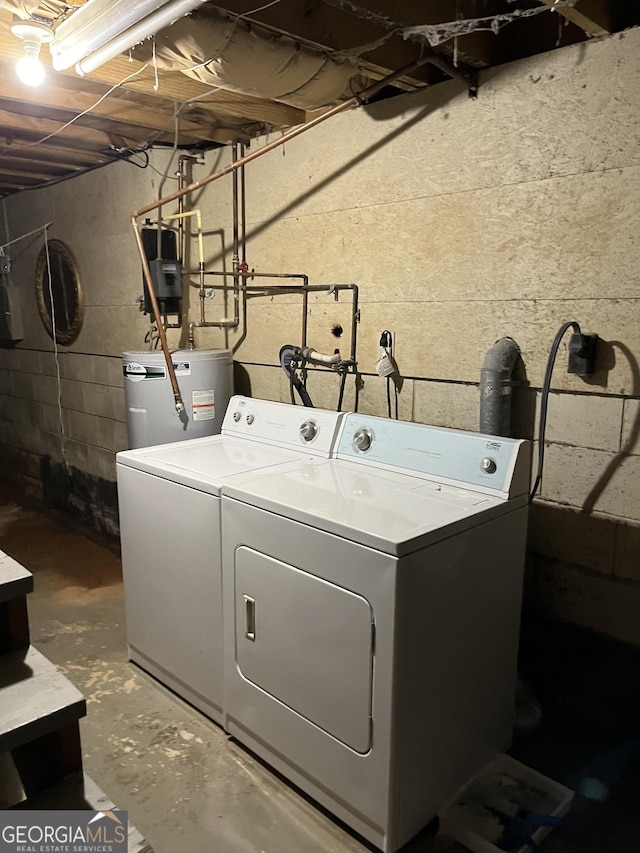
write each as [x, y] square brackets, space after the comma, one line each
[494, 464]
[282, 425]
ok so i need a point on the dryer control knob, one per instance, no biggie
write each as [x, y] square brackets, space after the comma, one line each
[236, 416]
[309, 430]
[250, 419]
[488, 465]
[362, 439]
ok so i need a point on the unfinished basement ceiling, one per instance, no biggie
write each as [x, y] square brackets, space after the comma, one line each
[334, 46]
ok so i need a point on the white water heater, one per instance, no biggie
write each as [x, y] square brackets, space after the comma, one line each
[205, 378]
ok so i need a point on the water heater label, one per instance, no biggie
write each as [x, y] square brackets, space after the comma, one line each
[182, 368]
[204, 407]
[137, 372]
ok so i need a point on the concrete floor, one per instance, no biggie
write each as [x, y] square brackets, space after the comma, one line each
[187, 787]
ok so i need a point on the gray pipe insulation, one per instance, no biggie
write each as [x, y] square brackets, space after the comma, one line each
[495, 387]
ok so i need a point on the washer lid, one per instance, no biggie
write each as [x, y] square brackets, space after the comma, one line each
[204, 463]
[392, 512]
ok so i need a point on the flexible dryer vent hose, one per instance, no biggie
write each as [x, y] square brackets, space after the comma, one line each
[495, 387]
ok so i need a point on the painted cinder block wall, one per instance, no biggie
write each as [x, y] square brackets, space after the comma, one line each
[461, 221]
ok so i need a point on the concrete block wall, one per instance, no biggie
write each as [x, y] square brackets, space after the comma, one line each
[461, 221]
[62, 416]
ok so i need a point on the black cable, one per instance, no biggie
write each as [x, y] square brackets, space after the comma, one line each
[293, 397]
[126, 154]
[542, 426]
[386, 342]
[341, 395]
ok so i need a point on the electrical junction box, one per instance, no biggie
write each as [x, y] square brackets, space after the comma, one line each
[582, 354]
[167, 278]
[11, 328]
[166, 270]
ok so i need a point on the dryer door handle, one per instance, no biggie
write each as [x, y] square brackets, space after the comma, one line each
[250, 618]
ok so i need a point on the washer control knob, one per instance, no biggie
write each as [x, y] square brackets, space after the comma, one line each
[488, 465]
[236, 416]
[250, 419]
[308, 430]
[362, 439]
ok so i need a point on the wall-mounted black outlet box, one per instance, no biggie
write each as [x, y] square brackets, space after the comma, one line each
[582, 354]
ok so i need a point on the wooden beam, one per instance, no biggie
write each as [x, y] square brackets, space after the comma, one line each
[119, 134]
[66, 155]
[173, 87]
[131, 109]
[16, 186]
[111, 128]
[6, 173]
[592, 16]
[45, 167]
[30, 127]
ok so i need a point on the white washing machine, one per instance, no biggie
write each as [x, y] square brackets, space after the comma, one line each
[169, 501]
[371, 658]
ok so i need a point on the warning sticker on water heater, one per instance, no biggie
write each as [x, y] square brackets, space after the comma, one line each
[204, 408]
[182, 368]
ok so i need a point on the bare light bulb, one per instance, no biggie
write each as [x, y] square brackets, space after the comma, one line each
[29, 69]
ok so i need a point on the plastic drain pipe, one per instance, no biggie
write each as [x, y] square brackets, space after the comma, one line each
[495, 387]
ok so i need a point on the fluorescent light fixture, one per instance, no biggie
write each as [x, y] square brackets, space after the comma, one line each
[102, 29]
[29, 69]
[145, 29]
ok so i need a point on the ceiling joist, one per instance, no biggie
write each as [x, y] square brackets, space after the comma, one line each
[124, 104]
[592, 16]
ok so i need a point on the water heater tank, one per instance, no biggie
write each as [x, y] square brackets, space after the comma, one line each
[205, 378]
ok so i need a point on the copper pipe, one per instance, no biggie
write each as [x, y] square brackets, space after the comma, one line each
[182, 237]
[235, 261]
[181, 228]
[253, 274]
[202, 295]
[236, 236]
[305, 289]
[243, 209]
[356, 100]
[177, 396]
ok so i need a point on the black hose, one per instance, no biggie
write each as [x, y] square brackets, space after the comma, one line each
[544, 401]
[289, 356]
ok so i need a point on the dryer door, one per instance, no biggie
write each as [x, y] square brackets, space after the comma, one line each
[306, 642]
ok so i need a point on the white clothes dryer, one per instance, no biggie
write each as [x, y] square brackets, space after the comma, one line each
[371, 656]
[169, 502]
